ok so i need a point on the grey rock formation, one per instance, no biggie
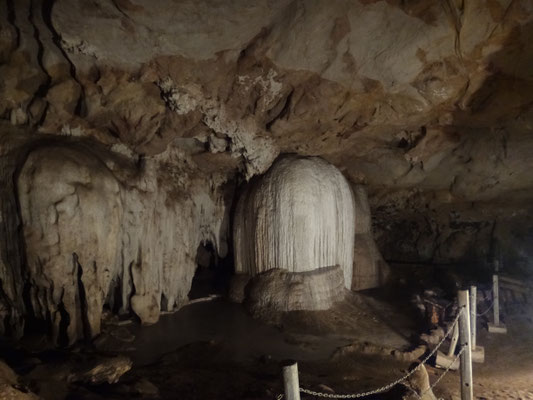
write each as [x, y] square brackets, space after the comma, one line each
[301, 217]
[278, 290]
[297, 217]
[71, 212]
[99, 229]
[163, 107]
[369, 268]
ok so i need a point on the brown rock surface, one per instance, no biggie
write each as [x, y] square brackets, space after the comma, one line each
[148, 113]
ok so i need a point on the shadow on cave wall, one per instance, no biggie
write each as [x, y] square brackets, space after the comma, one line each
[213, 273]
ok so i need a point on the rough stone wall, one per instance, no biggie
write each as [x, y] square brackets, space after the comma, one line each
[12, 253]
[71, 211]
[369, 268]
[298, 217]
[101, 228]
[413, 226]
[426, 104]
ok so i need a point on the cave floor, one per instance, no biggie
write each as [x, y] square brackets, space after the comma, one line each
[215, 350]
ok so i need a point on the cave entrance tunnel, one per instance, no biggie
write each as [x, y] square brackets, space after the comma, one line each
[213, 273]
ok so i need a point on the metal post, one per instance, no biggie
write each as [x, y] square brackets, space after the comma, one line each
[496, 299]
[473, 313]
[290, 381]
[467, 389]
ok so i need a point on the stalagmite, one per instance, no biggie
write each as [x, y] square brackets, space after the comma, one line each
[298, 217]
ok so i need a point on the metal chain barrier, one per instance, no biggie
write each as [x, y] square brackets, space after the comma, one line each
[487, 310]
[392, 384]
[442, 375]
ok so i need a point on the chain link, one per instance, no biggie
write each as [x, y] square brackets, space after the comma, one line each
[446, 370]
[392, 384]
[420, 396]
[487, 310]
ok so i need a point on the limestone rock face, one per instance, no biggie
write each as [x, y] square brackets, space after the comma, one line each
[100, 229]
[369, 268]
[279, 290]
[298, 217]
[428, 105]
[71, 211]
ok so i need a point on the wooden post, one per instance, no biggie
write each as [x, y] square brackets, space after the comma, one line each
[467, 389]
[290, 381]
[473, 313]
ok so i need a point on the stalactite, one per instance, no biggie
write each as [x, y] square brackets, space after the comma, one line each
[91, 233]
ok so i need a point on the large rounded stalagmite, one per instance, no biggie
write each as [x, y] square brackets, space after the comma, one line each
[298, 217]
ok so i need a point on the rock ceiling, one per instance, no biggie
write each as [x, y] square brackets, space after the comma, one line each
[427, 103]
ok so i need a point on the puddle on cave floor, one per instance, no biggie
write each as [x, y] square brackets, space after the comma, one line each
[241, 337]
[303, 335]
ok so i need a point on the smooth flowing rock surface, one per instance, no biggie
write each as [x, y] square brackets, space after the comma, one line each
[278, 290]
[71, 210]
[297, 217]
[101, 229]
[369, 268]
[426, 104]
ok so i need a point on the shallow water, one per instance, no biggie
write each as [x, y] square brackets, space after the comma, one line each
[242, 338]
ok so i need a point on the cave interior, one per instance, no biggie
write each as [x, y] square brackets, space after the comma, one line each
[195, 195]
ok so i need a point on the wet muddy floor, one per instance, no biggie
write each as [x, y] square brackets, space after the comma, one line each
[216, 350]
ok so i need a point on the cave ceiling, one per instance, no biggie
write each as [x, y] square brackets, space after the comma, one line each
[418, 98]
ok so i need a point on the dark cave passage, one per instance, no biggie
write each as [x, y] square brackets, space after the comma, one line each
[212, 273]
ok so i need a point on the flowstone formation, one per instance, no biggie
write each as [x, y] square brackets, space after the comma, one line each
[298, 218]
[369, 268]
[103, 230]
[160, 108]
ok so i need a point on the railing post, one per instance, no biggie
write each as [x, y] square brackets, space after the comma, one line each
[496, 299]
[467, 390]
[478, 352]
[290, 381]
[496, 326]
[473, 314]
